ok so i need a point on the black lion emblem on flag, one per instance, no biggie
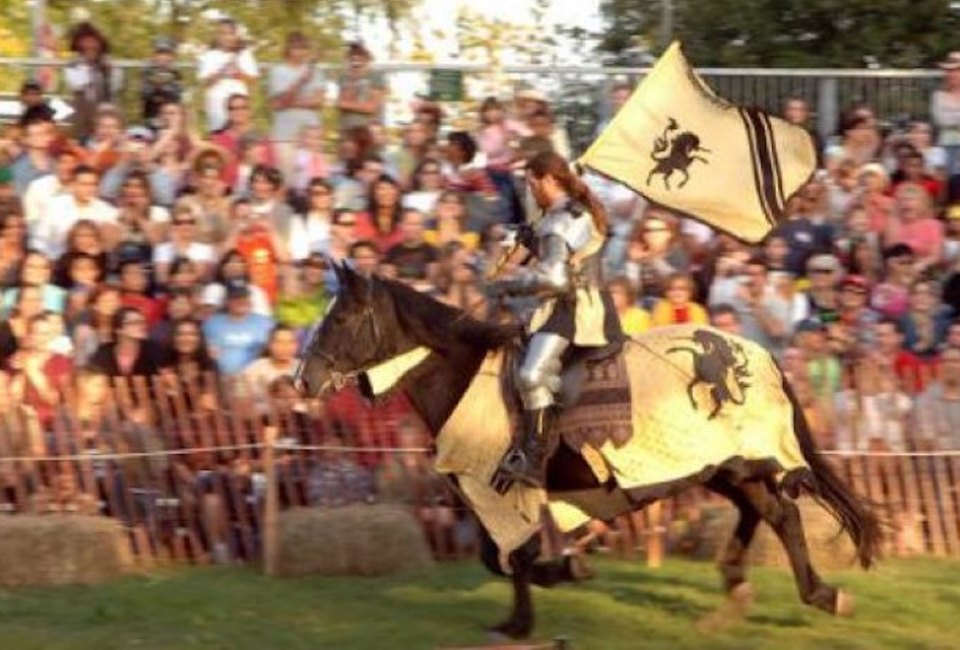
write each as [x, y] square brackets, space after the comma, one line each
[675, 152]
[721, 364]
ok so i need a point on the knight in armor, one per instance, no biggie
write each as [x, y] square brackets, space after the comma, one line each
[564, 273]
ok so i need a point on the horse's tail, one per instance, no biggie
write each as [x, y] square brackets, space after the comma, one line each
[854, 513]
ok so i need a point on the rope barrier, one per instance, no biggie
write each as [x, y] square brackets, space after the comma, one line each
[288, 446]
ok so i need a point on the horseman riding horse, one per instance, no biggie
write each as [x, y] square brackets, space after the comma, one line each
[704, 408]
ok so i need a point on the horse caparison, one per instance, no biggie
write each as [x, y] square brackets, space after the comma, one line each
[374, 320]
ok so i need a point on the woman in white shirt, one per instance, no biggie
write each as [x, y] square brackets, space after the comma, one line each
[183, 243]
[225, 70]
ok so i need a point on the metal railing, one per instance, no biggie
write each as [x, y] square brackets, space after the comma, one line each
[579, 93]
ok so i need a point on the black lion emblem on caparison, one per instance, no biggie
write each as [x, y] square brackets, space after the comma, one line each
[675, 152]
[719, 363]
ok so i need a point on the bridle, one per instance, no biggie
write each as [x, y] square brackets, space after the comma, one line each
[338, 380]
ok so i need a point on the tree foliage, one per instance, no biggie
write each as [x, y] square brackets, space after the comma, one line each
[787, 33]
[131, 25]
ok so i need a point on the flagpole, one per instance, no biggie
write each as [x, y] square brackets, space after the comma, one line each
[666, 23]
[37, 21]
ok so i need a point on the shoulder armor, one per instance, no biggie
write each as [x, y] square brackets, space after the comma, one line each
[571, 226]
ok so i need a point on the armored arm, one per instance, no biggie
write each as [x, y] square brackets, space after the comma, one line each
[549, 275]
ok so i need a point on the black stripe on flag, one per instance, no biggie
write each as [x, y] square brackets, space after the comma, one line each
[754, 166]
[766, 167]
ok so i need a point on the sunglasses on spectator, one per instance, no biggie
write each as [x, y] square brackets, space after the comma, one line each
[184, 222]
[821, 271]
[239, 107]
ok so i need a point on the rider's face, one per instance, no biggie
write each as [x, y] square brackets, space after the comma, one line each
[539, 189]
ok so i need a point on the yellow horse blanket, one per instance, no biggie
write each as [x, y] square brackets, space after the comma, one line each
[700, 397]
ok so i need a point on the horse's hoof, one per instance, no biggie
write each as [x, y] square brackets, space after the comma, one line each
[508, 630]
[742, 598]
[844, 605]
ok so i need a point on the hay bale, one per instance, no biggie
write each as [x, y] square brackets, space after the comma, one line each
[828, 550]
[707, 538]
[61, 549]
[360, 539]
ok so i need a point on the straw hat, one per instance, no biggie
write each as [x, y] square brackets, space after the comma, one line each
[952, 62]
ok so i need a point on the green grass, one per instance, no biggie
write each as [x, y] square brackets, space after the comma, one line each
[904, 604]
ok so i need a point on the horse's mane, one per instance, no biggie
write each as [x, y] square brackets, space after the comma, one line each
[437, 325]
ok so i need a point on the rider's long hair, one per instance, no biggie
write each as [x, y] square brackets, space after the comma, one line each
[555, 165]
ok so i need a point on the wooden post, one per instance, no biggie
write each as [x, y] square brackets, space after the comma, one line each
[657, 532]
[271, 514]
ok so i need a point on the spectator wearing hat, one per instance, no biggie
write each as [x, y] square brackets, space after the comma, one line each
[296, 90]
[233, 268]
[224, 71]
[945, 109]
[89, 77]
[33, 101]
[852, 335]
[161, 82]
[824, 371]
[237, 336]
[821, 298]
[137, 158]
[362, 91]
[81, 203]
[875, 197]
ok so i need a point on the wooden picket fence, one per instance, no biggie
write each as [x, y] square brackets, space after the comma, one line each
[187, 468]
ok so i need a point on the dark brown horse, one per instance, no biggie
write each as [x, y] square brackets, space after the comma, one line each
[373, 321]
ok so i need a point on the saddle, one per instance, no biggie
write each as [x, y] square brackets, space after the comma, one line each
[577, 363]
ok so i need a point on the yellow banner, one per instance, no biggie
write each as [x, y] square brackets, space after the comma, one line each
[683, 147]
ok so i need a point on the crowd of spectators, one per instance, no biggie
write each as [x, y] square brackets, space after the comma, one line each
[177, 247]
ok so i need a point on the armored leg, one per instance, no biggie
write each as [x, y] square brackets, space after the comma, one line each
[538, 381]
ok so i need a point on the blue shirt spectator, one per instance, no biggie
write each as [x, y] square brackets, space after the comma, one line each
[237, 337]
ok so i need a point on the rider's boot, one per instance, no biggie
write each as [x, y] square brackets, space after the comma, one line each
[526, 461]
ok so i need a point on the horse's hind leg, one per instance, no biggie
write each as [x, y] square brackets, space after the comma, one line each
[733, 561]
[783, 516]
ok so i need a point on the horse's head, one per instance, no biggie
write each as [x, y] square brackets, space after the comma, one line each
[358, 331]
[687, 142]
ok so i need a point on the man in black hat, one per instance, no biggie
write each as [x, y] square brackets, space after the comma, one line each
[162, 82]
[33, 101]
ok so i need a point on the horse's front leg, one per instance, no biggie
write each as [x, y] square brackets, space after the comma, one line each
[520, 623]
